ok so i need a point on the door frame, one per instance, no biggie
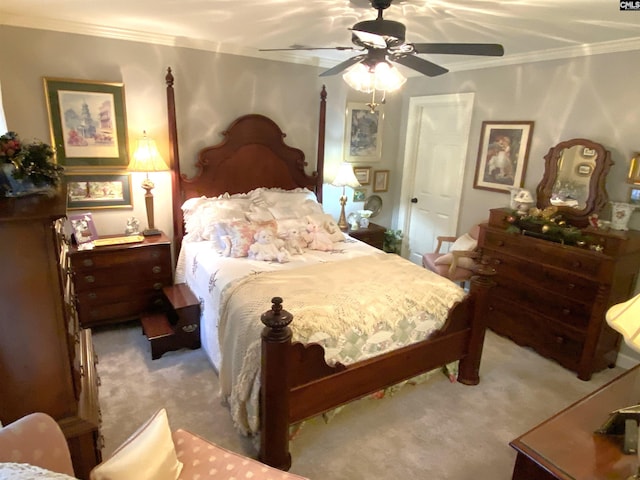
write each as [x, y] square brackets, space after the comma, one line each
[416, 104]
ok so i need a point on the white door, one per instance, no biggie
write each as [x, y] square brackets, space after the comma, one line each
[435, 157]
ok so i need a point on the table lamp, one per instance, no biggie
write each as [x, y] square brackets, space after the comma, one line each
[625, 319]
[344, 178]
[147, 159]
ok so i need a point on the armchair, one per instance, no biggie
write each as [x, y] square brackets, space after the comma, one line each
[459, 263]
[153, 452]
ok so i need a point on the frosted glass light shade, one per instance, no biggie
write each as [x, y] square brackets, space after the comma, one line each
[146, 157]
[383, 76]
[345, 177]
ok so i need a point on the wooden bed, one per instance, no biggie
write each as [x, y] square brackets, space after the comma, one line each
[296, 383]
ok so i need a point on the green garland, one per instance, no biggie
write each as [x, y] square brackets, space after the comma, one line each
[549, 227]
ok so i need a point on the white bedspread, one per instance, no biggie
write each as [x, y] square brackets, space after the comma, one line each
[384, 301]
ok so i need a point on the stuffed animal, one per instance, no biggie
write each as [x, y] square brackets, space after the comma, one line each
[294, 241]
[268, 248]
[318, 238]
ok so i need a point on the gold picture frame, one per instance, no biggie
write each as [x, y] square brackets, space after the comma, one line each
[363, 174]
[381, 180]
[87, 121]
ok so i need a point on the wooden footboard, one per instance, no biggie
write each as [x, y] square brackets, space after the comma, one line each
[297, 384]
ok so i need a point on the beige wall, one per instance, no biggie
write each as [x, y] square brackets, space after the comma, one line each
[593, 97]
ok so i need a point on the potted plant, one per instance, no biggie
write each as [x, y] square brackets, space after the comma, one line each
[27, 167]
[392, 241]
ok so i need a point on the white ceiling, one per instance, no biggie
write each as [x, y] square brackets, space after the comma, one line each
[530, 30]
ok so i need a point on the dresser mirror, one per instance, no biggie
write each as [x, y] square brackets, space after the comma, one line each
[574, 180]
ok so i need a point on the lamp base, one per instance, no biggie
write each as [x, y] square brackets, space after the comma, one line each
[150, 232]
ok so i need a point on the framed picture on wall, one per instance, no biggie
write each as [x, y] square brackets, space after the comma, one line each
[363, 138]
[381, 180]
[502, 155]
[634, 196]
[87, 122]
[98, 190]
[363, 174]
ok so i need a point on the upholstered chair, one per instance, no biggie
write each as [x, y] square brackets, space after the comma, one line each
[459, 262]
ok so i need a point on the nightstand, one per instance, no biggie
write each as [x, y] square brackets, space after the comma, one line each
[119, 282]
[373, 235]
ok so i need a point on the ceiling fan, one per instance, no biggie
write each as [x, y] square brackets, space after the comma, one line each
[384, 40]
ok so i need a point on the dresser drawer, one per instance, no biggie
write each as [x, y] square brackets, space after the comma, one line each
[146, 274]
[584, 262]
[518, 271]
[566, 311]
[544, 335]
[127, 308]
[91, 260]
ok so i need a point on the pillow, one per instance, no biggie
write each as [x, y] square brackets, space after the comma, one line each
[463, 262]
[240, 235]
[276, 196]
[148, 454]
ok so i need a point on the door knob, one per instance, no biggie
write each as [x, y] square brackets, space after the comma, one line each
[414, 200]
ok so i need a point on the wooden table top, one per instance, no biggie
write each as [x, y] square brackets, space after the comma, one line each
[566, 444]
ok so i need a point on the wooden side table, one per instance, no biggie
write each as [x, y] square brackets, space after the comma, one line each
[565, 446]
[372, 235]
[119, 282]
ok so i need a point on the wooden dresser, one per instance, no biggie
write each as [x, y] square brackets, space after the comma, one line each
[119, 282]
[47, 362]
[554, 297]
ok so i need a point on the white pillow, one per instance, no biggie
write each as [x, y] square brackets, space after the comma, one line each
[276, 196]
[464, 242]
[148, 454]
[463, 262]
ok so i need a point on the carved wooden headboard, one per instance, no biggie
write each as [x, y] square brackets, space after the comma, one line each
[252, 154]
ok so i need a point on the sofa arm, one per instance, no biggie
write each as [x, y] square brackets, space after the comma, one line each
[36, 439]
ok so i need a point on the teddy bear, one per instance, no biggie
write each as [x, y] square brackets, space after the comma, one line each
[294, 241]
[268, 248]
[317, 238]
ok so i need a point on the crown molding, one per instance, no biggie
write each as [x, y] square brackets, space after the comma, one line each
[116, 33]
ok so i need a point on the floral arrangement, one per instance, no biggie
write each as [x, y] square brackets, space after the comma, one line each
[392, 241]
[32, 161]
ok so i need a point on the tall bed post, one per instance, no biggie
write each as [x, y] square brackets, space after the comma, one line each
[321, 137]
[174, 165]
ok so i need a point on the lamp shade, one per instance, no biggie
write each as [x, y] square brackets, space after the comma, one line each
[146, 157]
[383, 76]
[625, 319]
[345, 177]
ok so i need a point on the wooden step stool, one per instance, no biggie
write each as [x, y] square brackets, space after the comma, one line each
[177, 325]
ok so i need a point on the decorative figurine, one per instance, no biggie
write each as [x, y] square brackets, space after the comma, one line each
[133, 226]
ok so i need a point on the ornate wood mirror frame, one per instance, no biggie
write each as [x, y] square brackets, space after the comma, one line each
[574, 180]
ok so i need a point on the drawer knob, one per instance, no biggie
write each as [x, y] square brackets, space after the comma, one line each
[500, 243]
[155, 254]
[157, 286]
[157, 302]
[89, 278]
[190, 328]
[156, 269]
[566, 311]
[87, 262]
[93, 295]
[576, 264]
[497, 261]
[559, 340]
[571, 286]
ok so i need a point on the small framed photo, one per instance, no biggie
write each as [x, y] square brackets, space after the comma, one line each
[363, 174]
[381, 180]
[584, 169]
[363, 138]
[502, 155]
[634, 196]
[359, 194]
[82, 227]
[90, 191]
[87, 122]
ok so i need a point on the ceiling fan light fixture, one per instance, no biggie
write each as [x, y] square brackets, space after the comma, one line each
[382, 76]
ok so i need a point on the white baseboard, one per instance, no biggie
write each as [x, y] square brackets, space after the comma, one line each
[626, 361]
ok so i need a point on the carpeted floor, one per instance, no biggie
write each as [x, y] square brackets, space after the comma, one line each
[436, 430]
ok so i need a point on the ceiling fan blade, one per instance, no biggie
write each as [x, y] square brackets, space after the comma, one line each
[418, 64]
[306, 48]
[343, 65]
[486, 49]
[370, 39]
